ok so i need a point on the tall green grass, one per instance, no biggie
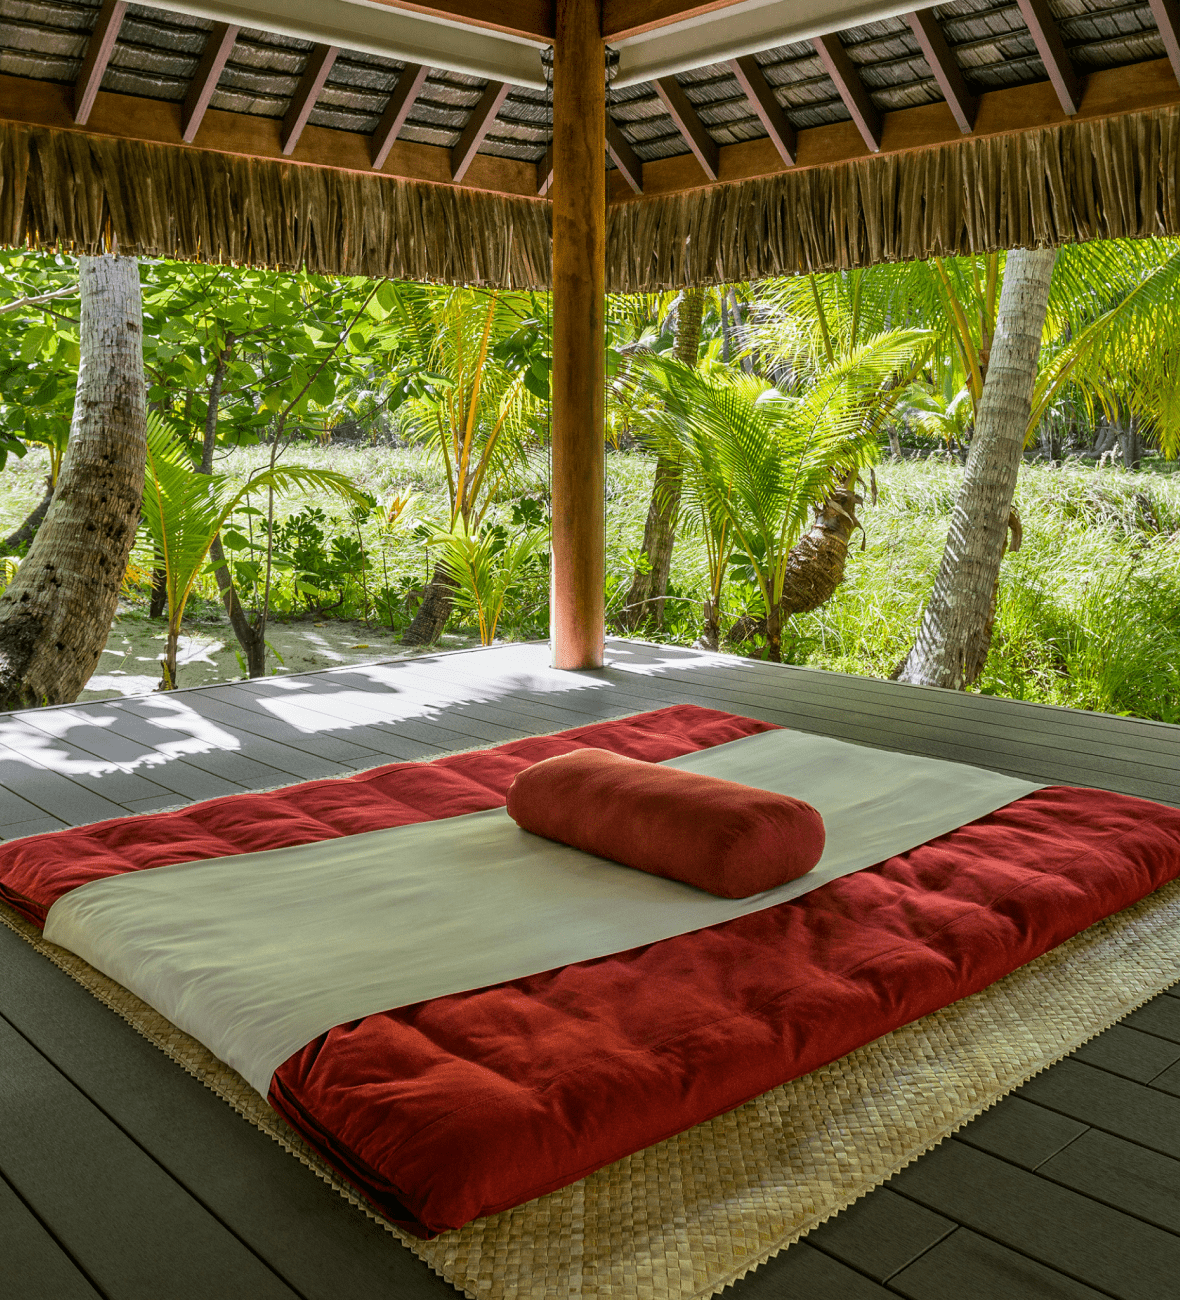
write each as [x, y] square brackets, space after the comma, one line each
[1089, 607]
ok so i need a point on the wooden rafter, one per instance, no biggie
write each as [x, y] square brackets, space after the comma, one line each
[319, 64]
[625, 158]
[762, 100]
[962, 103]
[1109, 93]
[851, 88]
[200, 91]
[479, 124]
[98, 54]
[1042, 26]
[408, 88]
[1167, 19]
[689, 124]
[545, 172]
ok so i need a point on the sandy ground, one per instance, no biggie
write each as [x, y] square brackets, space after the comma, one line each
[130, 664]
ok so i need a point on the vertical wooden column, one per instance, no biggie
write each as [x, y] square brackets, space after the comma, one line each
[577, 620]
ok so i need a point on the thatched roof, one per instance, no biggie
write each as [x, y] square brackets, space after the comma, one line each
[62, 184]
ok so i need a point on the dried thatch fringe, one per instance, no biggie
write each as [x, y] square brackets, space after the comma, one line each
[82, 193]
[1085, 180]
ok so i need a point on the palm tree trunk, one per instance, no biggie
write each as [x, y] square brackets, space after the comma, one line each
[955, 633]
[815, 565]
[434, 611]
[645, 599]
[56, 614]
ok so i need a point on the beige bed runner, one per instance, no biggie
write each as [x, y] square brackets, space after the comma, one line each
[256, 955]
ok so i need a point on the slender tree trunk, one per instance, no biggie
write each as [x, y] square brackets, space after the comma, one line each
[645, 599]
[955, 633]
[28, 530]
[251, 638]
[815, 566]
[56, 614]
[158, 604]
[434, 611]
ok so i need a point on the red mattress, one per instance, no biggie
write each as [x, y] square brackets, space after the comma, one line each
[469, 1104]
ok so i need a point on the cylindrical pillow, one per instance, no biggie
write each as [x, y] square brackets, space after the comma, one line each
[730, 839]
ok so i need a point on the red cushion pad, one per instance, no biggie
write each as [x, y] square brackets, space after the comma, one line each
[729, 839]
[35, 872]
[470, 1104]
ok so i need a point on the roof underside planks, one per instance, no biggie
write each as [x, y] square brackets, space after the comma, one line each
[911, 81]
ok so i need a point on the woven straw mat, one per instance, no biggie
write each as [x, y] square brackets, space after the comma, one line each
[688, 1216]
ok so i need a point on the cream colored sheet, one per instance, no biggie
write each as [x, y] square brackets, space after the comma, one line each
[256, 955]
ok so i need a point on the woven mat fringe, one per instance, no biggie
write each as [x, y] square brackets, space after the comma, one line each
[685, 1218]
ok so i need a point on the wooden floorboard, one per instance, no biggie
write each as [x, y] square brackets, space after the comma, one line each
[34, 1266]
[1068, 1188]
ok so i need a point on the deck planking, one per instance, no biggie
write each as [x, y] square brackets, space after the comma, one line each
[109, 1153]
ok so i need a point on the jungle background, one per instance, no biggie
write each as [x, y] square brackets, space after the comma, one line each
[420, 417]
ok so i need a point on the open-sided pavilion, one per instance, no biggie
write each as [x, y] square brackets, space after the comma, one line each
[624, 145]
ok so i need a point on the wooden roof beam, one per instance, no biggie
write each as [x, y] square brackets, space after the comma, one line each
[689, 124]
[762, 99]
[545, 172]
[479, 124]
[1042, 26]
[319, 64]
[625, 158]
[962, 103]
[408, 88]
[1167, 19]
[99, 49]
[843, 72]
[200, 91]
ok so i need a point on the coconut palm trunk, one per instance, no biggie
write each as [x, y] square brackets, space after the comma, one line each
[815, 566]
[955, 634]
[645, 599]
[56, 614]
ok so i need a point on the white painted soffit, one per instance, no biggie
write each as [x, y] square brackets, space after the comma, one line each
[741, 29]
[377, 29]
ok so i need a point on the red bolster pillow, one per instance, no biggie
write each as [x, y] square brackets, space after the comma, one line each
[730, 839]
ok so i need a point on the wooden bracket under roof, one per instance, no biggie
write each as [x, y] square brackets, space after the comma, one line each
[623, 156]
[98, 55]
[319, 65]
[943, 64]
[1042, 26]
[200, 91]
[761, 97]
[1167, 18]
[478, 125]
[847, 79]
[408, 88]
[689, 124]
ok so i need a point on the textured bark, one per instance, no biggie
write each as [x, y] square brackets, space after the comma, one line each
[815, 566]
[955, 633]
[28, 530]
[56, 614]
[433, 612]
[645, 599]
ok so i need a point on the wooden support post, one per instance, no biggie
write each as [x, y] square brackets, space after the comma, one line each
[758, 91]
[218, 48]
[846, 77]
[98, 54]
[688, 123]
[319, 64]
[578, 613]
[1167, 19]
[1042, 26]
[962, 103]
[408, 88]
[478, 125]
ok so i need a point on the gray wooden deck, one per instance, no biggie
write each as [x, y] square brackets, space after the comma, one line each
[122, 1177]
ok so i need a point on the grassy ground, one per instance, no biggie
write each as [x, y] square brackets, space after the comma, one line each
[1089, 611]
